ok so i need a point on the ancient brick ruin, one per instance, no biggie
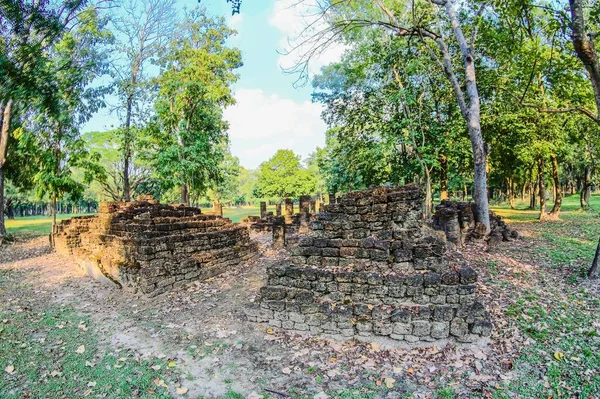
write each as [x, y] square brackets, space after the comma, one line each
[153, 247]
[457, 220]
[370, 267]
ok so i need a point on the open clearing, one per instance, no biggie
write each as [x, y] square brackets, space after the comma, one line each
[42, 224]
[64, 335]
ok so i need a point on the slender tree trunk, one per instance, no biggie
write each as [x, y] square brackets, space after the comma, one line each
[127, 150]
[443, 177]
[523, 190]
[4, 133]
[509, 193]
[428, 197]
[593, 271]
[584, 47]
[555, 212]
[532, 184]
[584, 199]
[473, 118]
[185, 194]
[53, 211]
[542, 188]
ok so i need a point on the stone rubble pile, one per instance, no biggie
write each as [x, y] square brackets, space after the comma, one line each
[152, 247]
[457, 220]
[370, 267]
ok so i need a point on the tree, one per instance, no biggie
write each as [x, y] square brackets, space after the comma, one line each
[442, 29]
[144, 28]
[188, 135]
[77, 59]
[107, 144]
[226, 188]
[391, 121]
[247, 181]
[28, 31]
[283, 176]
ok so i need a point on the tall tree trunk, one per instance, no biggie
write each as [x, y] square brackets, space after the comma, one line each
[584, 199]
[523, 190]
[4, 133]
[554, 213]
[428, 197]
[473, 118]
[593, 271]
[584, 47]
[127, 143]
[509, 193]
[532, 184]
[443, 177]
[53, 211]
[542, 188]
[185, 194]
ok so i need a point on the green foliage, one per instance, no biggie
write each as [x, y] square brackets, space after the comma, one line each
[77, 60]
[226, 188]
[283, 176]
[391, 119]
[188, 137]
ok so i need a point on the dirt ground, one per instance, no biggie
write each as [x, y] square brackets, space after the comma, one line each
[216, 351]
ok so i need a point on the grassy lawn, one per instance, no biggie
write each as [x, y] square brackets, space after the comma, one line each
[569, 242]
[238, 213]
[42, 224]
[558, 313]
[33, 225]
[54, 353]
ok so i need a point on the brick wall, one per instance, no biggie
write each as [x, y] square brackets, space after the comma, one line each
[371, 267]
[154, 247]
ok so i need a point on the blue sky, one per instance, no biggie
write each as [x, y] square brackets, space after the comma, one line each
[270, 112]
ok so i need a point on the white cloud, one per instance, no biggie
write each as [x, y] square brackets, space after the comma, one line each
[261, 123]
[299, 23]
[235, 21]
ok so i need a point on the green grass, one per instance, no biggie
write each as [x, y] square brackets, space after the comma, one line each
[564, 358]
[42, 224]
[569, 242]
[33, 225]
[42, 348]
[238, 213]
[566, 348]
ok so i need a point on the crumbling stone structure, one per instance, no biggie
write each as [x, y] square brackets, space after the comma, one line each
[148, 247]
[371, 267]
[263, 209]
[457, 220]
[279, 233]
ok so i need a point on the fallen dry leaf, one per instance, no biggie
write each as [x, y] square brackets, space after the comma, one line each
[80, 349]
[286, 370]
[160, 383]
[389, 382]
[10, 369]
[181, 391]
[91, 384]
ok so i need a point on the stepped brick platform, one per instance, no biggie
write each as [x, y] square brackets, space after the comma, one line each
[371, 267]
[153, 247]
